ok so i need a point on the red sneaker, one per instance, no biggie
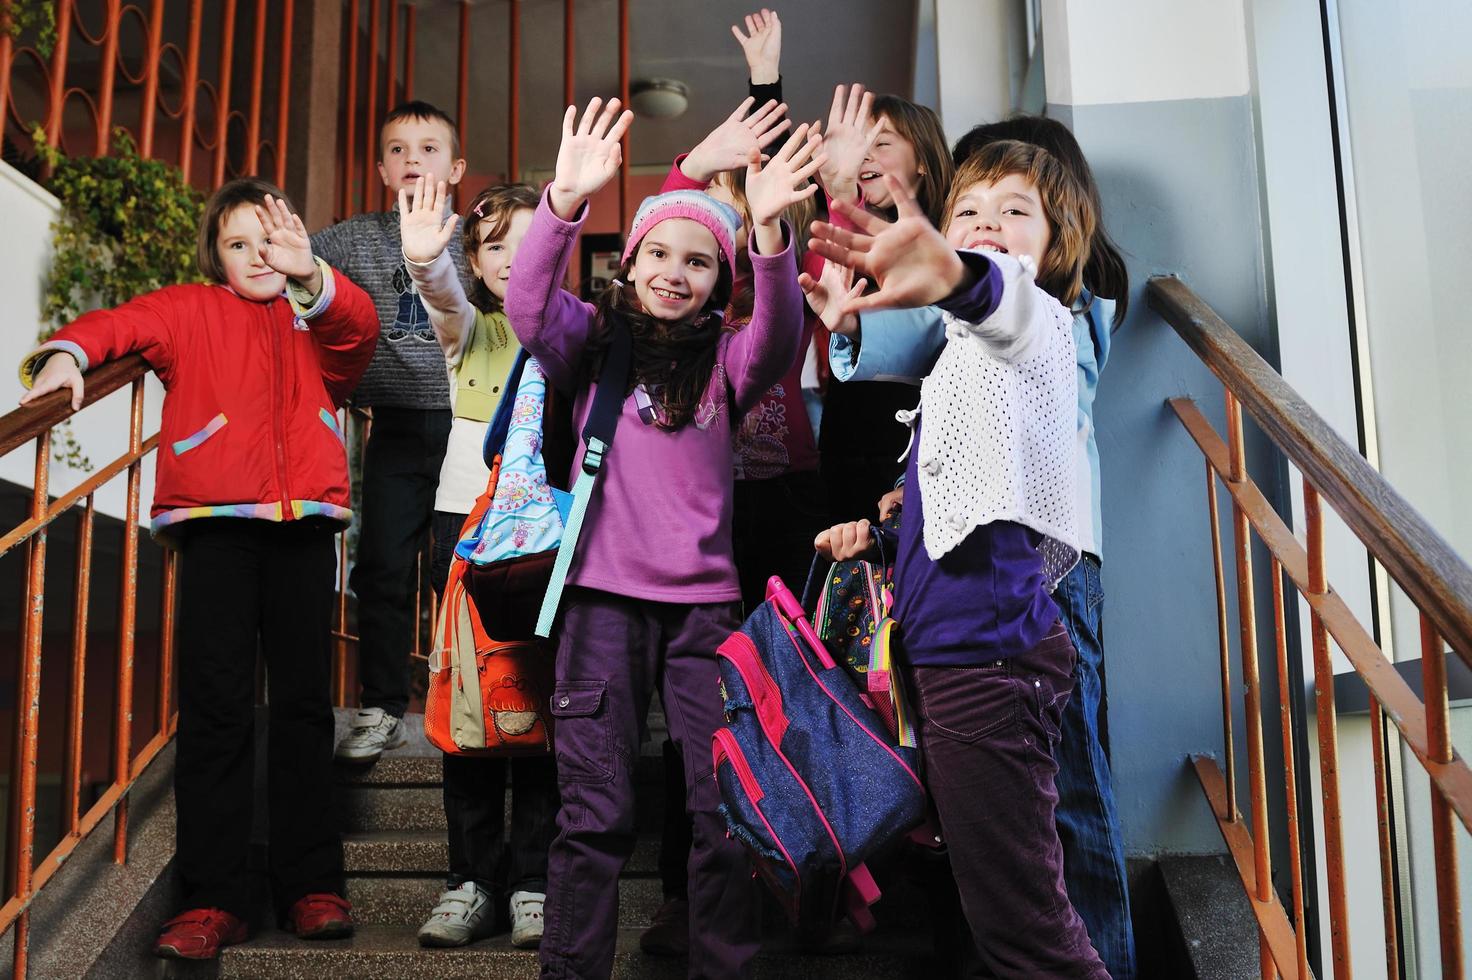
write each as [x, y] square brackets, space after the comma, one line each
[321, 915]
[198, 934]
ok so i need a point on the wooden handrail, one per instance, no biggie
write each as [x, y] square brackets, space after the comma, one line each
[1435, 578]
[23, 424]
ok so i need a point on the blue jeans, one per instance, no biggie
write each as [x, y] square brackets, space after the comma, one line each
[1088, 823]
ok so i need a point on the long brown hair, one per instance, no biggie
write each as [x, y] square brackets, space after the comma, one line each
[1105, 274]
[487, 219]
[920, 127]
[1070, 213]
[673, 361]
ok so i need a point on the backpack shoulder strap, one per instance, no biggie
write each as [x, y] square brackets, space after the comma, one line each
[598, 433]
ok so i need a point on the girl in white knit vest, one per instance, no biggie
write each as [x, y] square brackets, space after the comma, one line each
[989, 528]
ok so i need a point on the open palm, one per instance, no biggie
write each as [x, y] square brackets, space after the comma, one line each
[852, 129]
[288, 250]
[424, 227]
[784, 179]
[589, 155]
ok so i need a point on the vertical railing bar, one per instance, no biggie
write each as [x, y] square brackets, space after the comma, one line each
[1382, 824]
[28, 708]
[72, 780]
[58, 70]
[462, 79]
[283, 99]
[370, 133]
[222, 99]
[166, 638]
[105, 80]
[409, 53]
[1252, 697]
[1223, 644]
[257, 77]
[1290, 778]
[127, 628]
[513, 93]
[7, 55]
[568, 54]
[350, 83]
[390, 79]
[191, 89]
[1439, 747]
[147, 120]
[1328, 732]
[623, 95]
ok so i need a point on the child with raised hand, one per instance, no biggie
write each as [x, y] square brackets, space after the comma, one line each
[252, 485]
[990, 527]
[406, 390]
[868, 136]
[905, 343]
[653, 589]
[479, 349]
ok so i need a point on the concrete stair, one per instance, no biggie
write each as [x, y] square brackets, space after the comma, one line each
[396, 856]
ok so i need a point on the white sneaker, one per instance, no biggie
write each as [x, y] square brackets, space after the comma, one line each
[463, 916]
[526, 919]
[372, 731]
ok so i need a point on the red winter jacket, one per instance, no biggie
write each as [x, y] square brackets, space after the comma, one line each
[250, 417]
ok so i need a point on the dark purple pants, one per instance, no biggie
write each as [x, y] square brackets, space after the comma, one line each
[611, 652]
[987, 735]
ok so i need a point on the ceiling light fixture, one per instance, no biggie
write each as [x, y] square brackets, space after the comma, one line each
[659, 98]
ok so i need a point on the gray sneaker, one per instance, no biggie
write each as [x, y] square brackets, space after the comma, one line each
[463, 915]
[372, 731]
[526, 919]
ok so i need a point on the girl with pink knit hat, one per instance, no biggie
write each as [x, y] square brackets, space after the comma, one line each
[653, 589]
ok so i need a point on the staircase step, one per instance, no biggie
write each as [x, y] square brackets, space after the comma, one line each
[393, 952]
[374, 807]
[403, 900]
[427, 851]
[394, 768]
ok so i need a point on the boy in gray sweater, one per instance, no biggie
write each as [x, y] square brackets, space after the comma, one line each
[407, 390]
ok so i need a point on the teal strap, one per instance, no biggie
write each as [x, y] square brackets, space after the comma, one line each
[582, 492]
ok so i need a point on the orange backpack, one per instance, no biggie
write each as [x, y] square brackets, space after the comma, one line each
[486, 696]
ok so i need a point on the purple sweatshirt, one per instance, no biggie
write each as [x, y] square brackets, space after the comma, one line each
[659, 524]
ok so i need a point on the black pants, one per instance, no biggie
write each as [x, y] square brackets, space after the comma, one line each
[401, 470]
[475, 789]
[860, 442]
[249, 586]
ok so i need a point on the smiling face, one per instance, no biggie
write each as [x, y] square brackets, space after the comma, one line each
[238, 246]
[676, 269]
[491, 262]
[411, 148]
[1003, 216]
[890, 153]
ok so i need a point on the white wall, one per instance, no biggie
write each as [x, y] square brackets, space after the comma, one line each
[101, 428]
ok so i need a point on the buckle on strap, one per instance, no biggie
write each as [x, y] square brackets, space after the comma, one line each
[593, 458]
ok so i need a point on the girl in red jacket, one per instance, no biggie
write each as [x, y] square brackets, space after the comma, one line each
[252, 485]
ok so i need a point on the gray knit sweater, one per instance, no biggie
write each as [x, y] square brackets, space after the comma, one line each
[408, 369]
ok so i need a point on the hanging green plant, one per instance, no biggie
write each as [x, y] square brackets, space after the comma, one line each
[38, 16]
[127, 227]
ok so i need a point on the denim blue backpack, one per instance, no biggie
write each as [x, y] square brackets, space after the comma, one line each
[811, 781]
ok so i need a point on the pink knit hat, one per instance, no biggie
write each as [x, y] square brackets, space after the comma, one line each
[720, 219]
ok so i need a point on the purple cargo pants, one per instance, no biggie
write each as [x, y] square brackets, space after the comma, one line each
[987, 734]
[611, 652]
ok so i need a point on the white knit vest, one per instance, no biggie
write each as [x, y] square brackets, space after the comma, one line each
[999, 439]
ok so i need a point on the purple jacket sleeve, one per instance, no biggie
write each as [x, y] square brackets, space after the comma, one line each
[767, 347]
[551, 323]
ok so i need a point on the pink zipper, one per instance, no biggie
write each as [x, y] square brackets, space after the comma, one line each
[766, 697]
[725, 748]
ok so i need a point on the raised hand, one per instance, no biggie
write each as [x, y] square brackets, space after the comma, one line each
[827, 295]
[59, 371]
[910, 260]
[851, 131]
[729, 145]
[589, 155]
[424, 227]
[762, 45]
[782, 182]
[288, 250]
